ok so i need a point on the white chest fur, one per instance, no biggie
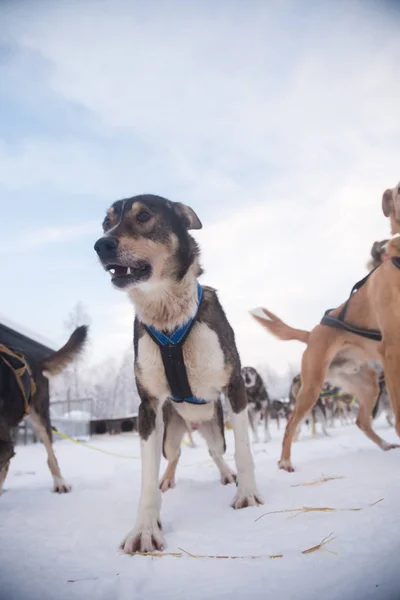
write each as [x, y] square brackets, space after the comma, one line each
[205, 367]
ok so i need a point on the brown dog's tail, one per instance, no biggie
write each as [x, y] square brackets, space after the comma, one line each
[278, 328]
[56, 362]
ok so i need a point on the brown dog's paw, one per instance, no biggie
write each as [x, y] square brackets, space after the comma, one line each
[167, 483]
[386, 446]
[286, 465]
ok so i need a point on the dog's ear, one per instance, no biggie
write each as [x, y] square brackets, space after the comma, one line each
[188, 215]
[387, 203]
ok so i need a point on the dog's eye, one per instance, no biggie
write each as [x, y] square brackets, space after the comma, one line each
[106, 223]
[143, 216]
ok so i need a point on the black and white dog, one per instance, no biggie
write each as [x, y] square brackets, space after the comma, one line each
[185, 352]
[258, 402]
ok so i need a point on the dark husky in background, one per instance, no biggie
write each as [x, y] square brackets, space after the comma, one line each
[12, 404]
[149, 253]
[258, 402]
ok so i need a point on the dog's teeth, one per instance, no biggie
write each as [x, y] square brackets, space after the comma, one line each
[128, 271]
[112, 271]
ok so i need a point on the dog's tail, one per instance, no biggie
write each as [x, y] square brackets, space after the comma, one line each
[56, 362]
[278, 328]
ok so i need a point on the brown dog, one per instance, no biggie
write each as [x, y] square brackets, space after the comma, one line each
[363, 329]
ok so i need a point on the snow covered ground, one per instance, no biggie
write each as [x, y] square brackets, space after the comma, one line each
[66, 547]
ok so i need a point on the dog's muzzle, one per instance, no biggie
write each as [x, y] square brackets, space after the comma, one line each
[106, 248]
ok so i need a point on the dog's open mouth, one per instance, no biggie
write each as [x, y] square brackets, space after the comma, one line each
[122, 276]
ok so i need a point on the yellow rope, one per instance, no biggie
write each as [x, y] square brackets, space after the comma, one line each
[66, 437]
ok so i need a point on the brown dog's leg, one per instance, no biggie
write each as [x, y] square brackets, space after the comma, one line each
[391, 356]
[3, 475]
[60, 485]
[315, 362]
[365, 385]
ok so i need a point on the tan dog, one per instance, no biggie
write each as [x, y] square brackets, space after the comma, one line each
[341, 354]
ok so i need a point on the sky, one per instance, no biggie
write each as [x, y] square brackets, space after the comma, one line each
[277, 122]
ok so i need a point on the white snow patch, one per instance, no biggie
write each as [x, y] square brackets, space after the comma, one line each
[66, 547]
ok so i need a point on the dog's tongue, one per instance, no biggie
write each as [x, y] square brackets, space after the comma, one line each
[385, 256]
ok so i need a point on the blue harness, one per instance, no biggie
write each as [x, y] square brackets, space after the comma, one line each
[171, 348]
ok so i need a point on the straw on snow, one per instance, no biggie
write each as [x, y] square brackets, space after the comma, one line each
[321, 546]
[190, 555]
[316, 481]
[307, 509]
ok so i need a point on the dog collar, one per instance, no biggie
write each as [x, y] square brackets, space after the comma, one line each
[171, 348]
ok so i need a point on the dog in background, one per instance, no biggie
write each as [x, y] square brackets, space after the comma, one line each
[279, 410]
[13, 403]
[378, 255]
[258, 402]
[348, 338]
[185, 352]
[345, 349]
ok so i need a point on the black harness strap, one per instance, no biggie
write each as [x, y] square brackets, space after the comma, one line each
[171, 348]
[339, 322]
[20, 368]
[396, 261]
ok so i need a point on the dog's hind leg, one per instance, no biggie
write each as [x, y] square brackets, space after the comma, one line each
[175, 428]
[365, 385]
[60, 485]
[390, 349]
[213, 433]
[267, 434]
[3, 475]
[190, 436]
[321, 418]
[313, 418]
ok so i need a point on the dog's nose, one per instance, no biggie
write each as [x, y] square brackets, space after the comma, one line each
[106, 246]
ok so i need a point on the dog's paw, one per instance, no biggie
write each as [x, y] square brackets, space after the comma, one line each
[243, 500]
[61, 486]
[386, 446]
[286, 465]
[167, 483]
[144, 538]
[228, 477]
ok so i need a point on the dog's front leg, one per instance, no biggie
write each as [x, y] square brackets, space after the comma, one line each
[147, 536]
[247, 494]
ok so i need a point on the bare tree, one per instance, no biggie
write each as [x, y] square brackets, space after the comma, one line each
[76, 317]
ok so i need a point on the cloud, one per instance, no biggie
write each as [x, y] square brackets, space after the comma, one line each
[43, 236]
[280, 129]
